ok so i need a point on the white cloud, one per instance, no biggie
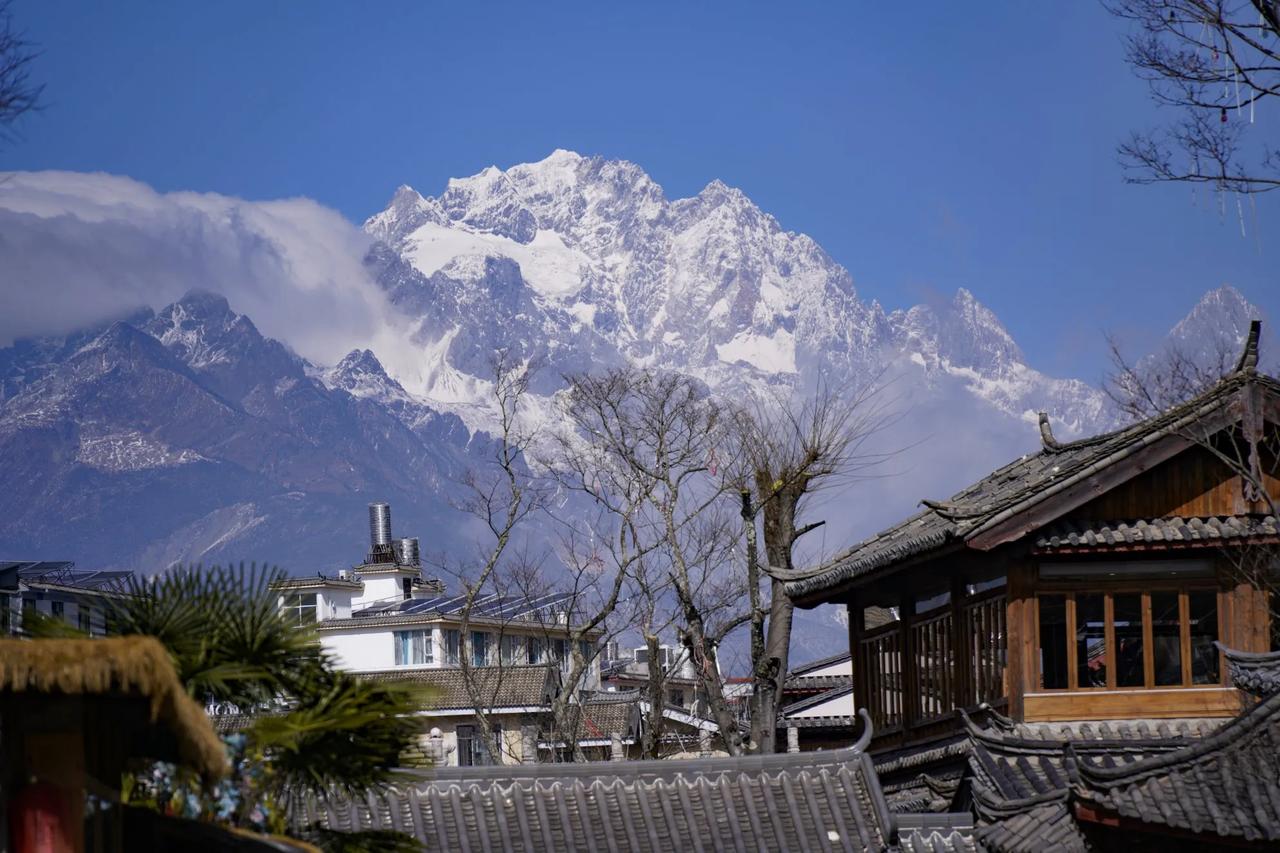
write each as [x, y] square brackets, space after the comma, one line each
[80, 248]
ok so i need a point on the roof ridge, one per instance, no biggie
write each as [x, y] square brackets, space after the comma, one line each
[1240, 727]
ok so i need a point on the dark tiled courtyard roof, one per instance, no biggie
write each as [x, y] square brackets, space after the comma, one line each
[497, 686]
[1225, 785]
[1048, 826]
[804, 801]
[1010, 772]
[1209, 530]
[602, 716]
[1012, 489]
[1257, 673]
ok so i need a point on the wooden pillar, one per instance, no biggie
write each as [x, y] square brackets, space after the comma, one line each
[857, 627]
[910, 674]
[1020, 627]
[961, 645]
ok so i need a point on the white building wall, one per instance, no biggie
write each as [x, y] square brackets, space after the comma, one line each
[361, 651]
[379, 589]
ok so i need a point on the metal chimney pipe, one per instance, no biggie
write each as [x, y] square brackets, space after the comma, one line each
[379, 525]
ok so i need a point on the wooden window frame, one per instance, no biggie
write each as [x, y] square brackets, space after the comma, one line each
[1070, 589]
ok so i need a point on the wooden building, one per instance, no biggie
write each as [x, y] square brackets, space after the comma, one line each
[1088, 581]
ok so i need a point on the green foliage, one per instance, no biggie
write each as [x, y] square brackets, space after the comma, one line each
[317, 729]
[344, 736]
[224, 630]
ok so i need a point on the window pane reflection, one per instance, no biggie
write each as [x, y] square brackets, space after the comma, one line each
[1091, 647]
[1204, 630]
[1053, 642]
[1127, 613]
[1166, 639]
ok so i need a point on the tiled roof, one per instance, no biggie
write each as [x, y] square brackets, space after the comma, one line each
[1048, 826]
[805, 669]
[1010, 490]
[1253, 672]
[602, 716]
[1156, 531]
[1010, 773]
[828, 721]
[1224, 785]
[805, 801]
[496, 686]
[936, 833]
[317, 581]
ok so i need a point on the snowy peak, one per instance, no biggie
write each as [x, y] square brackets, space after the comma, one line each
[583, 262]
[1213, 332]
[361, 375]
[406, 212]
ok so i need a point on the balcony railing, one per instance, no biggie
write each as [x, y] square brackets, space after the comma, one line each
[920, 671]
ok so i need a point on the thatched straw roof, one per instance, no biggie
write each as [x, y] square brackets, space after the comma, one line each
[116, 666]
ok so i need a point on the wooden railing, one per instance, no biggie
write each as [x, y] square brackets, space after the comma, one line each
[880, 656]
[988, 648]
[936, 677]
[920, 671]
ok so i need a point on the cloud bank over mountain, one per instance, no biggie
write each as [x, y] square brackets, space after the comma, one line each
[79, 249]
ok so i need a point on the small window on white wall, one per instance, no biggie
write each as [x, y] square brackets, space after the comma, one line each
[413, 648]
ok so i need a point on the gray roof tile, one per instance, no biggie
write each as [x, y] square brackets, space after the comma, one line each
[806, 801]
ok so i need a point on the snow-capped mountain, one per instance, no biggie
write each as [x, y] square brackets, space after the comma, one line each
[186, 435]
[580, 262]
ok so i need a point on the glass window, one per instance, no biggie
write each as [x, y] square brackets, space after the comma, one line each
[1203, 617]
[452, 647]
[1091, 640]
[479, 648]
[642, 655]
[58, 608]
[1166, 638]
[413, 648]
[677, 697]
[513, 650]
[1127, 619]
[84, 618]
[536, 650]
[300, 607]
[588, 651]
[1053, 642]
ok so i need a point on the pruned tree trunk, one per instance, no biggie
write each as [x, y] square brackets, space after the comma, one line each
[779, 514]
[651, 743]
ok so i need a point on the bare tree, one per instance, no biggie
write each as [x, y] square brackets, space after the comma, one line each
[501, 499]
[1217, 62]
[789, 450]
[643, 448]
[1243, 447]
[18, 94]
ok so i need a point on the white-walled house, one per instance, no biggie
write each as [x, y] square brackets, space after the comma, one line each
[383, 619]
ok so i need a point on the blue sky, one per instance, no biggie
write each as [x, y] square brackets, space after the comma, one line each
[926, 147]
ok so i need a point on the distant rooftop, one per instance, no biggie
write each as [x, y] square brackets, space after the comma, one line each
[62, 573]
